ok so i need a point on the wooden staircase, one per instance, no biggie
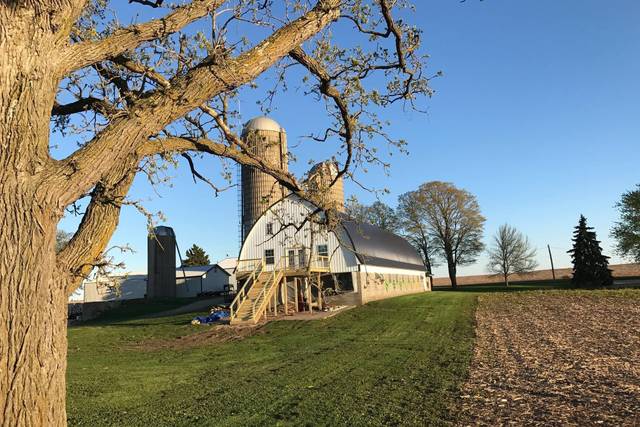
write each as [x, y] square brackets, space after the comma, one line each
[251, 303]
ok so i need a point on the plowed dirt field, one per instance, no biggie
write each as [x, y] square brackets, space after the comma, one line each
[555, 358]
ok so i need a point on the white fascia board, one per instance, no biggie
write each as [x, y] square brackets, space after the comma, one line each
[389, 270]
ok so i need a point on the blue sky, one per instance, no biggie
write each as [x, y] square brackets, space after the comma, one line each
[537, 114]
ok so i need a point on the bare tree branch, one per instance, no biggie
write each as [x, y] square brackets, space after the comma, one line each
[100, 105]
[327, 89]
[151, 114]
[82, 54]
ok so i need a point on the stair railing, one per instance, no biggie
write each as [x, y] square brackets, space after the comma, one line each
[260, 302]
[242, 293]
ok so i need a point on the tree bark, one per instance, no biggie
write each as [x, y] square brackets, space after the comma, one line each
[33, 316]
[33, 303]
[33, 328]
[451, 265]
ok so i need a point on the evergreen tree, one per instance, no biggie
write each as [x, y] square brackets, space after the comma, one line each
[590, 267]
[196, 256]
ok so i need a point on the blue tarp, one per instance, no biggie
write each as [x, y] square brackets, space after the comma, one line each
[212, 318]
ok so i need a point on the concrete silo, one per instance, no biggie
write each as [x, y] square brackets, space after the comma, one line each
[161, 263]
[320, 178]
[259, 190]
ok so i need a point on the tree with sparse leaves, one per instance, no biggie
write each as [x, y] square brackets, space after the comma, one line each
[378, 213]
[413, 222]
[123, 100]
[455, 224]
[196, 256]
[626, 231]
[590, 266]
[511, 253]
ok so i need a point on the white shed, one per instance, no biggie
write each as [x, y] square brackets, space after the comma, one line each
[192, 281]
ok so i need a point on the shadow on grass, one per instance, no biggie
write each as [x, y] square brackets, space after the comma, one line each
[139, 309]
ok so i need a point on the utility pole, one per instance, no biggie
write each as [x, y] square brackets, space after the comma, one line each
[553, 270]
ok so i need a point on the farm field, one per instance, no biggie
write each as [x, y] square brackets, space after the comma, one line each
[555, 358]
[407, 360]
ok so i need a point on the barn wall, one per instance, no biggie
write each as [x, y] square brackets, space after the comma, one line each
[115, 289]
[386, 283]
[187, 288]
[214, 281]
[292, 211]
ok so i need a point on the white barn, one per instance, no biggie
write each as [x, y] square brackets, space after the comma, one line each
[360, 262]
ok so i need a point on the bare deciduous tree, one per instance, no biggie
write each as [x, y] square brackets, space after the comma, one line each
[511, 253]
[131, 99]
[454, 222]
[413, 221]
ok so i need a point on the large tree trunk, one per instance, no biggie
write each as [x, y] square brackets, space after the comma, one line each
[451, 265]
[33, 341]
[33, 345]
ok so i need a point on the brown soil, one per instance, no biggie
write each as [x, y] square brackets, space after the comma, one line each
[212, 335]
[555, 359]
[619, 271]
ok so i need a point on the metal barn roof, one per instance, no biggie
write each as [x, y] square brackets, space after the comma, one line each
[198, 270]
[375, 246]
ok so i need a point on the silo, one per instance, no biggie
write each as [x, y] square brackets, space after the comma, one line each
[259, 190]
[320, 178]
[161, 263]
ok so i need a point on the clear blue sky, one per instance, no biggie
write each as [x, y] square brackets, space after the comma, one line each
[537, 113]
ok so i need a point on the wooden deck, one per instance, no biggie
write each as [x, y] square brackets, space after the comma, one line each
[264, 288]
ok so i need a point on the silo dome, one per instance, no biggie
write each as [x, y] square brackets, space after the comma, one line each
[319, 180]
[262, 123]
[163, 230]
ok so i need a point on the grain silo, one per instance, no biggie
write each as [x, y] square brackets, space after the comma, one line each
[161, 263]
[259, 190]
[319, 180]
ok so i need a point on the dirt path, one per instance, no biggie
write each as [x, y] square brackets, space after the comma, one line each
[555, 359]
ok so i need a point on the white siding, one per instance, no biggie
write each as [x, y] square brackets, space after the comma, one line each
[116, 288]
[213, 281]
[283, 215]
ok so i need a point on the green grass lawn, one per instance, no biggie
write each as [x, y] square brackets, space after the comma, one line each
[397, 361]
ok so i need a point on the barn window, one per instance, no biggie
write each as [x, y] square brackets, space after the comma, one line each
[323, 250]
[323, 253]
[269, 257]
[269, 228]
[291, 258]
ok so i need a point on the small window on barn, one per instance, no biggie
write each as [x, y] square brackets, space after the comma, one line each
[269, 228]
[323, 250]
[269, 257]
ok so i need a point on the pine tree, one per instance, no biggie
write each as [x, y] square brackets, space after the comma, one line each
[196, 256]
[590, 267]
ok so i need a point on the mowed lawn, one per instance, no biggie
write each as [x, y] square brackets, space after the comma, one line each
[398, 361]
